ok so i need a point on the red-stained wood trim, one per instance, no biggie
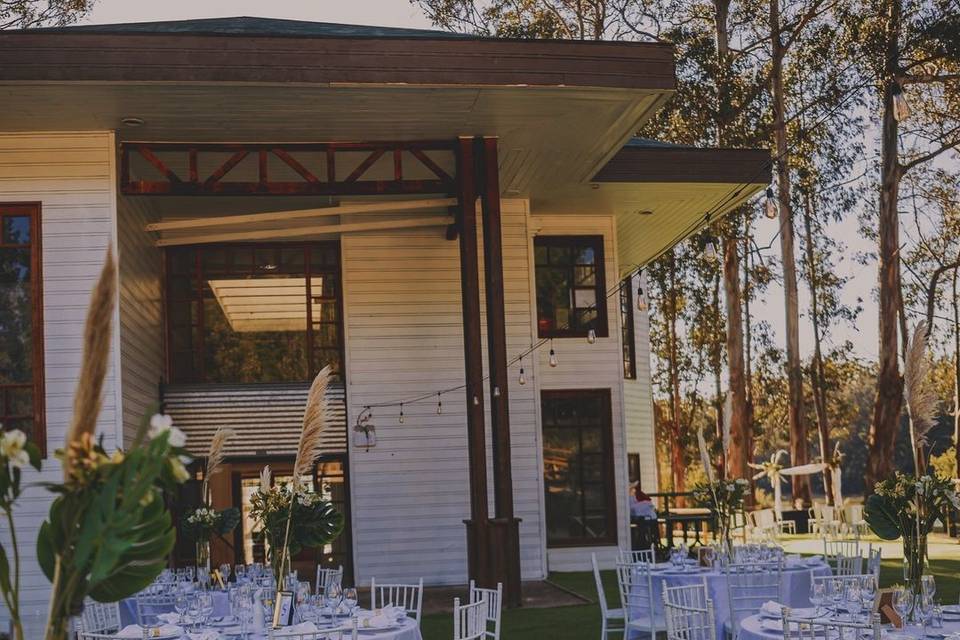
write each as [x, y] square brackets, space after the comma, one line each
[194, 177]
[430, 164]
[363, 166]
[262, 173]
[223, 169]
[398, 164]
[158, 164]
[292, 162]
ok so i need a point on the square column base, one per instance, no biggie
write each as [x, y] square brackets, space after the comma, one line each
[493, 555]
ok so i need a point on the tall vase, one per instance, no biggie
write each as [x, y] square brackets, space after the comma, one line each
[914, 556]
[203, 554]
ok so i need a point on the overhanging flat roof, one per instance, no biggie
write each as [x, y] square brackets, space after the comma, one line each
[643, 160]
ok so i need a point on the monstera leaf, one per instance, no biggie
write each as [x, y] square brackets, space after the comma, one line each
[229, 519]
[315, 526]
[882, 517]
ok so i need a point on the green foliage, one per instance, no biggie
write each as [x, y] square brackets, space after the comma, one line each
[908, 506]
[945, 464]
[24, 14]
[206, 522]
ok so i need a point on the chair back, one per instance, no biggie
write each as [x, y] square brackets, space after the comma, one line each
[833, 549]
[689, 613]
[92, 635]
[154, 600]
[636, 596]
[469, 620]
[99, 617]
[327, 576]
[634, 556]
[601, 596]
[873, 561]
[807, 629]
[749, 585]
[407, 596]
[494, 600]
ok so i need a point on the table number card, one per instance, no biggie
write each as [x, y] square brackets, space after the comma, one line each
[884, 606]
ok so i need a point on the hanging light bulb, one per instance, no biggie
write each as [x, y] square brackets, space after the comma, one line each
[709, 248]
[553, 355]
[439, 405]
[901, 108]
[771, 208]
[591, 336]
[641, 300]
[523, 378]
[401, 413]
[476, 401]
[496, 392]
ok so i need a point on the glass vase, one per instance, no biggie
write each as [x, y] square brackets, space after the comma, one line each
[914, 556]
[203, 555]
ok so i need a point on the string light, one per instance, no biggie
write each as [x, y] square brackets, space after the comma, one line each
[401, 413]
[641, 299]
[553, 355]
[523, 378]
[476, 401]
[901, 108]
[439, 404]
[591, 336]
[771, 207]
[709, 247]
[496, 392]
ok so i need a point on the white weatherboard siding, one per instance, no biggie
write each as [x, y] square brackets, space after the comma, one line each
[638, 398]
[141, 314]
[71, 175]
[404, 337]
[589, 366]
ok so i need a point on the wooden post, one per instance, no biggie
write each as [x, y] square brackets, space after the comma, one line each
[505, 529]
[478, 558]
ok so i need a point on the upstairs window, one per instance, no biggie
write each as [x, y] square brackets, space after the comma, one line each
[626, 328]
[571, 295]
[21, 323]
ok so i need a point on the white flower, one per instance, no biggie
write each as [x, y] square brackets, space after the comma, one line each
[12, 448]
[265, 479]
[160, 424]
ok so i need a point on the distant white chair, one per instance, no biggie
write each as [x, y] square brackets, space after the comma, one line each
[611, 620]
[99, 617]
[640, 612]
[834, 550]
[873, 561]
[634, 556]
[824, 519]
[327, 576]
[749, 585]
[689, 613]
[407, 596]
[853, 519]
[153, 601]
[469, 620]
[764, 524]
[494, 600]
[806, 629]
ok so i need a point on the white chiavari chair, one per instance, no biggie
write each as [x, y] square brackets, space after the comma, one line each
[90, 635]
[634, 556]
[748, 587]
[469, 620]
[154, 600]
[327, 634]
[99, 617]
[689, 613]
[494, 599]
[327, 576]
[640, 611]
[611, 620]
[873, 561]
[407, 596]
[820, 629]
[833, 549]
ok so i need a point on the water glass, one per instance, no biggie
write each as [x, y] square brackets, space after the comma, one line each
[225, 574]
[180, 604]
[206, 606]
[334, 597]
[818, 595]
[240, 571]
[190, 573]
[928, 586]
[868, 592]
[902, 601]
[852, 599]
[194, 610]
[836, 594]
[350, 599]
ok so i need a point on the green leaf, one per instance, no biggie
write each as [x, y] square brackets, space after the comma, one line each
[34, 452]
[4, 572]
[229, 519]
[881, 517]
[45, 550]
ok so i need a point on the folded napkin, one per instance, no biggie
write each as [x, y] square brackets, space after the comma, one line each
[814, 560]
[772, 624]
[296, 629]
[377, 621]
[169, 618]
[136, 631]
[390, 611]
[771, 609]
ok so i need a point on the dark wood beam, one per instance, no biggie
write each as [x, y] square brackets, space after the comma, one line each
[506, 529]
[478, 558]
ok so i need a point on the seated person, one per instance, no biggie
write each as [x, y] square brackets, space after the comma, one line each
[641, 506]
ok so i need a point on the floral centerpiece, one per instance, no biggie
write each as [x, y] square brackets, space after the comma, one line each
[725, 499]
[205, 522]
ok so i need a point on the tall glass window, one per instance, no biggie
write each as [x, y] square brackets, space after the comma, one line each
[571, 298]
[245, 313]
[578, 467]
[21, 322]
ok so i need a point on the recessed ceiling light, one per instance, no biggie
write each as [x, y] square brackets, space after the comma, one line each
[133, 122]
[643, 212]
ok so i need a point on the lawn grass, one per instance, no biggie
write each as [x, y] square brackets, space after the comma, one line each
[582, 622]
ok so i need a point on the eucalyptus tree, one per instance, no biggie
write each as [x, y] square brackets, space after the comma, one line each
[26, 14]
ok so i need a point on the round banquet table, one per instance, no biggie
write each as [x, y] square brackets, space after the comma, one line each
[795, 589]
[128, 608]
[756, 627]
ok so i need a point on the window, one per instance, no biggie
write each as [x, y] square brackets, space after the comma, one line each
[21, 322]
[626, 329]
[246, 313]
[578, 468]
[570, 287]
[633, 468]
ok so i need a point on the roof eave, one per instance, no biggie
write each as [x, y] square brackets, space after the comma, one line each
[687, 164]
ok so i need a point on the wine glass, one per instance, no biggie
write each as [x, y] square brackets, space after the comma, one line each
[350, 599]
[852, 598]
[818, 595]
[836, 594]
[928, 586]
[240, 571]
[205, 600]
[190, 571]
[868, 592]
[303, 599]
[194, 610]
[225, 573]
[902, 601]
[334, 596]
[181, 602]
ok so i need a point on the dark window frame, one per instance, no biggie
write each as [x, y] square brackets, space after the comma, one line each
[600, 324]
[253, 246]
[633, 469]
[38, 431]
[628, 334]
[609, 480]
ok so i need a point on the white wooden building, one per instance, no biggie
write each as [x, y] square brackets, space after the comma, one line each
[369, 147]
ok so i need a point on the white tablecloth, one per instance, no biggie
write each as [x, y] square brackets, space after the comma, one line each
[752, 629]
[795, 590]
[128, 608]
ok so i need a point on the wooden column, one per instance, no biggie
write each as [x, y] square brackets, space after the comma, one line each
[505, 528]
[478, 558]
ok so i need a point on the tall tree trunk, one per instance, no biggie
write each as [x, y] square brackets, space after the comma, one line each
[716, 362]
[817, 377]
[739, 454]
[677, 463]
[956, 374]
[798, 432]
[748, 342]
[889, 400]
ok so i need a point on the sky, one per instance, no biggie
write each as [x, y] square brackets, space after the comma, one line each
[401, 13]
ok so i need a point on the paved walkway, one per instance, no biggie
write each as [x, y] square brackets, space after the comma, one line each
[939, 546]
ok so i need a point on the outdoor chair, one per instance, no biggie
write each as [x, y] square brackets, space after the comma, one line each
[806, 629]
[153, 601]
[469, 620]
[689, 613]
[99, 617]
[834, 549]
[494, 600]
[873, 561]
[853, 519]
[634, 556]
[611, 620]
[326, 577]
[407, 596]
[750, 585]
[637, 597]
[764, 524]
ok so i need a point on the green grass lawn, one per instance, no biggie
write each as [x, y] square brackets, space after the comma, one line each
[582, 622]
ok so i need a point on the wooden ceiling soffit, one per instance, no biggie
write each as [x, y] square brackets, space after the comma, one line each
[330, 169]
